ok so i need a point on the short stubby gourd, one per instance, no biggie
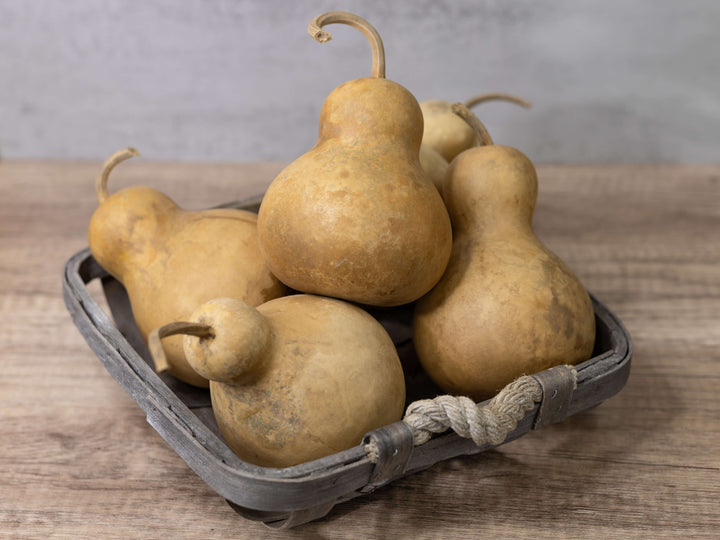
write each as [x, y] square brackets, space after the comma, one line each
[295, 379]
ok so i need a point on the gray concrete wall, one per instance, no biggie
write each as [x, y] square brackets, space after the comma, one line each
[219, 80]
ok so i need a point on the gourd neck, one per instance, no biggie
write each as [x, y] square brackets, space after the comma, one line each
[372, 112]
[496, 225]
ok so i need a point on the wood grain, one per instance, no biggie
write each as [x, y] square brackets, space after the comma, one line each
[78, 459]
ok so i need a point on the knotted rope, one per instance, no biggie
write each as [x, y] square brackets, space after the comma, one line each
[490, 423]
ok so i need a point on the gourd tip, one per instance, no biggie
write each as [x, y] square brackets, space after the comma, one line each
[321, 36]
[481, 98]
[102, 179]
[172, 329]
[157, 352]
[343, 17]
[481, 132]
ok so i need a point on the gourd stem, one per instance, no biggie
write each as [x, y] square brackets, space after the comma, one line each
[343, 17]
[470, 103]
[102, 178]
[481, 132]
[179, 327]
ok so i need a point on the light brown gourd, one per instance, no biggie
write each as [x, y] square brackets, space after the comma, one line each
[171, 260]
[446, 133]
[356, 217]
[434, 165]
[506, 305]
[295, 379]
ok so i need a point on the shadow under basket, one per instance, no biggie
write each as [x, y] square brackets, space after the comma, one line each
[283, 498]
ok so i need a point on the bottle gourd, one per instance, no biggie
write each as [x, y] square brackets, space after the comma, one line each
[295, 379]
[171, 260]
[356, 217]
[507, 305]
[448, 134]
[445, 135]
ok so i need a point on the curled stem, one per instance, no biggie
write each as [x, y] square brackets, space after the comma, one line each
[343, 17]
[481, 132]
[470, 103]
[102, 178]
[179, 327]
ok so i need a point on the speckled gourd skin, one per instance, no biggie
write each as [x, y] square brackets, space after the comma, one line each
[356, 217]
[434, 165]
[507, 305]
[445, 132]
[171, 260]
[321, 374]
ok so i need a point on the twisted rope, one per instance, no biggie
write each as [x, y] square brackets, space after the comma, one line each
[490, 423]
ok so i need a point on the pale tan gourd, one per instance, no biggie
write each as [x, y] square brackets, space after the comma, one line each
[295, 379]
[446, 133]
[434, 165]
[171, 260]
[506, 305]
[356, 217]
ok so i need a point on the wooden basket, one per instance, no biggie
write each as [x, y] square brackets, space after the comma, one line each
[286, 497]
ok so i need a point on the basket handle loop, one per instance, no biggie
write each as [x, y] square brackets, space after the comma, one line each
[490, 422]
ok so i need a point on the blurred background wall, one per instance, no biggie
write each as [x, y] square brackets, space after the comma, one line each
[220, 80]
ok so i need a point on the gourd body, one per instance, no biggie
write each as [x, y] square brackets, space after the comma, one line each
[328, 374]
[445, 132]
[434, 165]
[507, 305]
[171, 260]
[356, 217]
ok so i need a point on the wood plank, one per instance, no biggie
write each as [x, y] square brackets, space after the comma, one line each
[78, 458]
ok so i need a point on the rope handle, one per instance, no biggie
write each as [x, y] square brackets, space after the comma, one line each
[490, 423]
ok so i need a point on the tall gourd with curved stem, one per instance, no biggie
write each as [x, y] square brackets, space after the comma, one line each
[507, 305]
[356, 217]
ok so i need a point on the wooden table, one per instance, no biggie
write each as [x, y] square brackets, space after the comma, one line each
[78, 459]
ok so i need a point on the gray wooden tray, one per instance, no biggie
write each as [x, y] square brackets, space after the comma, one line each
[287, 497]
